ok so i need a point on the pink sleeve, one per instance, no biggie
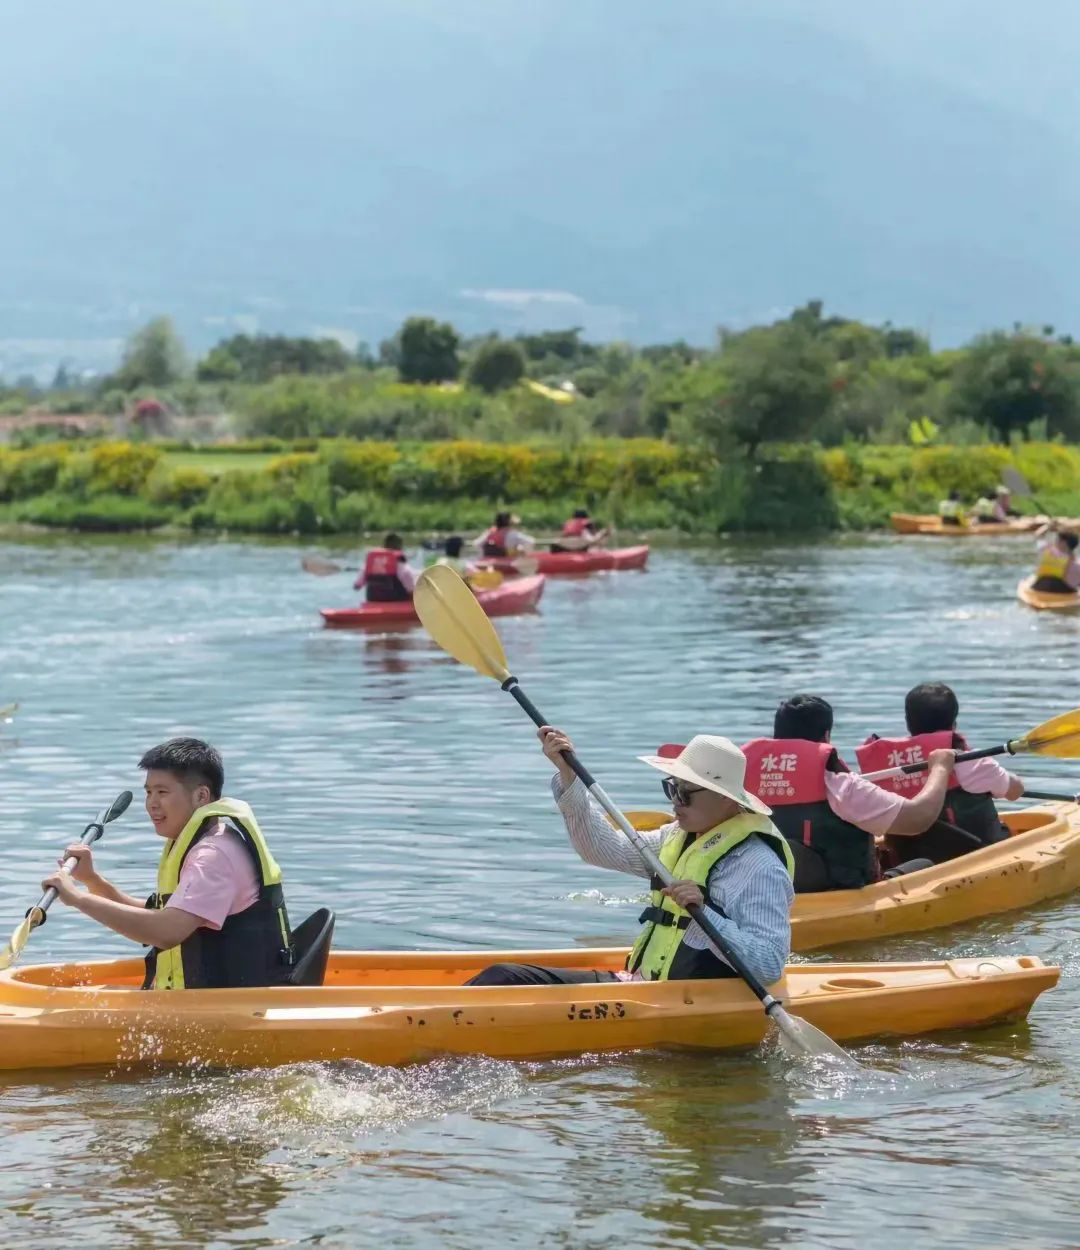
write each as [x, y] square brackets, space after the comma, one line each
[407, 575]
[985, 776]
[213, 884]
[862, 803]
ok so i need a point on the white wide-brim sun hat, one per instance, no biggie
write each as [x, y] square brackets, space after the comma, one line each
[714, 763]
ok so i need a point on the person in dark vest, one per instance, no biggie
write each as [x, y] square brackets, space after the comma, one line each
[217, 918]
[828, 814]
[723, 851]
[968, 818]
[387, 576]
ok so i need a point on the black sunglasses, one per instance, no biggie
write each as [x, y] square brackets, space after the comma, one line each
[678, 791]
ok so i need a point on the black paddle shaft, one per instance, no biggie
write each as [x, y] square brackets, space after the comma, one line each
[90, 835]
[698, 913]
[1006, 748]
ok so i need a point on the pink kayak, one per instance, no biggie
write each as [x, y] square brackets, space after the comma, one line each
[597, 561]
[519, 594]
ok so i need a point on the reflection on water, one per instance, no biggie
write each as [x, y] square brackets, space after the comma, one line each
[410, 796]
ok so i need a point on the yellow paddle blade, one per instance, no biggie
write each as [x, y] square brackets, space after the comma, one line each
[448, 610]
[19, 938]
[1059, 737]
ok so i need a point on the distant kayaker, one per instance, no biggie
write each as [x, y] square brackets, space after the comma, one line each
[994, 507]
[931, 711]
[1058, 570]
[951, 510]
[722, 849]
[503, 538]
[828, 814]
[580, 533]
[218, 916]
[1003, 509]
[387, 576]
[451, 555]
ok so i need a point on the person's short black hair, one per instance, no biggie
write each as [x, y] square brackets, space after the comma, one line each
[393, 542]
[452, 546]
[194, 762]
[502, 520]
[1070, 540]
[803, 716]
[930, 708]
[581, 514]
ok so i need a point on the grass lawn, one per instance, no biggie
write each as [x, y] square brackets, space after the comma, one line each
[219, 461]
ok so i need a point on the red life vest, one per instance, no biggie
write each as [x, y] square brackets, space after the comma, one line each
[789, 775]
[974, 813]
[878, 753]
[381, 582]
[576, 526]
[494, 543]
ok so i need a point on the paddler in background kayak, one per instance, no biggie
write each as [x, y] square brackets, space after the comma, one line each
[503, 538]
[951, 510]
[829, 814]
[931, 711]
[387, 576]
[994, 507]
[1057, 571]
[217, 918]
[722, 849]
[579, 533]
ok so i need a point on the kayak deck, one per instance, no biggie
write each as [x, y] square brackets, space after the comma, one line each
[566, 563]
[516, 595]
[1046, 600]
[1040, 860]
[401, 1007]
[925, 523]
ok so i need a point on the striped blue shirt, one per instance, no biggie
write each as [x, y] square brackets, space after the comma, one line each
[749, 883]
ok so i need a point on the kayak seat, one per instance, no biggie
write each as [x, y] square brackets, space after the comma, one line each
[311, 944]
[902, 870]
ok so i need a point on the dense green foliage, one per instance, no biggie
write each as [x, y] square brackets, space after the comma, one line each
[344, 486]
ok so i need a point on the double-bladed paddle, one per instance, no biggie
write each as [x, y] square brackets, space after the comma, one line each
[1058, 738]
[35, 917]
[453, 618]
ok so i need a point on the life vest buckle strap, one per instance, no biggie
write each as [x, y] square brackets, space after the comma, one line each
[657, 915]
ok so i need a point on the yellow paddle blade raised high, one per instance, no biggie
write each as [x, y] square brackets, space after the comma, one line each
[448, 610]
[1059, 738]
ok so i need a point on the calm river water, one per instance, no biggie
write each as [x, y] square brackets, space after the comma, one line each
[410, 795]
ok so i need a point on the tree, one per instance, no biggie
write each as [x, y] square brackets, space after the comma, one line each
[778, 385]
[153, 356]
[497, 366]
[1007, 381]
[428, 351]
[259, 358]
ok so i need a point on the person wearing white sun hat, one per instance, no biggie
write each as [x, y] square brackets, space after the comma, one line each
[724, 852]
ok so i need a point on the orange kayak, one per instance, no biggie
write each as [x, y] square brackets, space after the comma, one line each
[391, 1007]
[520, 594]
[1046, 600]
[916, 523]
[569, 562]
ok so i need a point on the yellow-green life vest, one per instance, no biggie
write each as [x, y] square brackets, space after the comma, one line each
[658, 953]
[1053, 562]
[951, 509]
[252, 947]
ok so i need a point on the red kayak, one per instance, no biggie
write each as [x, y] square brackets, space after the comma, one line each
[598, 560]
[520, 594]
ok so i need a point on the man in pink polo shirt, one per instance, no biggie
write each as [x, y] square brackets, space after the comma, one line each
[218, 916]
[830, 815]
[968, 817]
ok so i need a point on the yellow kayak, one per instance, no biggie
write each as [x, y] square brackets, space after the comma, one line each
[1041, 860]
[924, 523]
[396, 1008]
[1046, 600]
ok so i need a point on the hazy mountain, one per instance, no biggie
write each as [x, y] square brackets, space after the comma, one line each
[647, 170]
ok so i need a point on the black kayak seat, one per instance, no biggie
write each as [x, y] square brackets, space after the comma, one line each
[311, 945]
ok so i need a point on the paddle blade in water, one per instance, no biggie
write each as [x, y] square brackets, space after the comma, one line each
[1059, 738]
[800, 1037]
[448, 610]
